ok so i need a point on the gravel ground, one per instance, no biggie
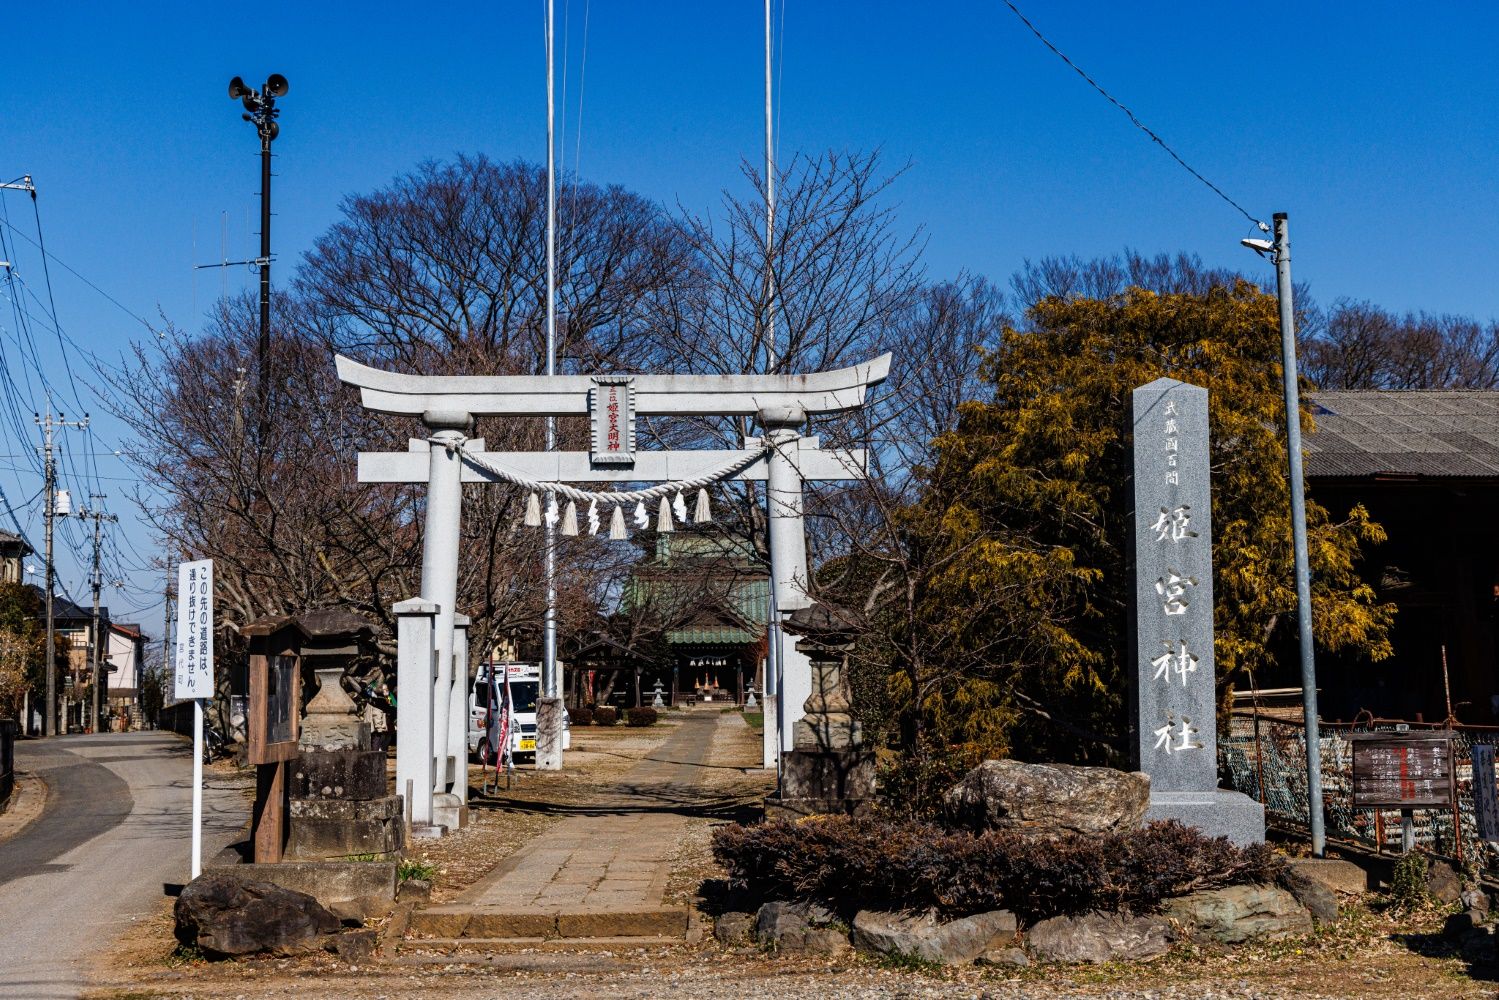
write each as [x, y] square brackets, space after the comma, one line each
[1367, 955]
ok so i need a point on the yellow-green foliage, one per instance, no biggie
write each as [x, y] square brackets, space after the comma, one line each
[1027, 518]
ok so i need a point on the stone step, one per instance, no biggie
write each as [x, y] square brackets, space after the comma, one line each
[490, 950]
[452, 922]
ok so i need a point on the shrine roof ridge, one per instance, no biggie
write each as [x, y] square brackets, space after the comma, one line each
[562, 395]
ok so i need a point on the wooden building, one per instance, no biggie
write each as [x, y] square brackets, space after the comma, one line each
[1426, 466]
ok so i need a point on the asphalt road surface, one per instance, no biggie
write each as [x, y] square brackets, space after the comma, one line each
[115, 831]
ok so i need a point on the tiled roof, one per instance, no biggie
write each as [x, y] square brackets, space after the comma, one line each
[1426, 433]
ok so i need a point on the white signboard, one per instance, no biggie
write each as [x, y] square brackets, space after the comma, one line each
[1485, 803]
[194, 673]
[611, 410]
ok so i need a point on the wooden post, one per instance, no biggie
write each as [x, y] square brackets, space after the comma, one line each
[269, 823]
[273, 727]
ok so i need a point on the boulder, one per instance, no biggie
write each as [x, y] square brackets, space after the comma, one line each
[1442, 881]
[1006, 794]
[414, 890]
[225, 916]
[1015, 957]
[1100, 937]
[734, 928]
[925, 936]
[1477, 901]
[1343, 877]
[1320, 901]
[1240, 913]
[1459, 924]
[800, 927]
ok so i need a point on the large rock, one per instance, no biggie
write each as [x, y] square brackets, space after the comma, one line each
[1100, 937]
[1342, 877]
[924, 936]
[1320, 901]
[1443, 884]
[800, 927]
[734, 928]
[1240, 913]
[225, 916]
[1004, 794]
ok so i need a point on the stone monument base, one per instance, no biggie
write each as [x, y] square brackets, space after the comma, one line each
[818, 782]
[1217, 813]
[450, 811]
[341, 828]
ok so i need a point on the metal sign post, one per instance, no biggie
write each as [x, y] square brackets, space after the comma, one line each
[194, 674]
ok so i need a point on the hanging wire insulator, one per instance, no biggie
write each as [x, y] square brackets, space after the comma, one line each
[551, 514]
[593, 517]
[702, 515]
[617, 525]
[640, 519]
[663, 516]
[533, 511]
[679, 507]
[570, 519]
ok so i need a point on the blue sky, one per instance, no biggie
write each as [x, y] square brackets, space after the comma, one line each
[1371, 124]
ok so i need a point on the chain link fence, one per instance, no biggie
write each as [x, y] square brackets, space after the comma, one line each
[1265, 758]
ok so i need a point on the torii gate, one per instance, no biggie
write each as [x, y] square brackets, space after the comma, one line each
[432, 675]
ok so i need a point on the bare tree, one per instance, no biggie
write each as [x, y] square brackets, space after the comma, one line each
[1363, 346]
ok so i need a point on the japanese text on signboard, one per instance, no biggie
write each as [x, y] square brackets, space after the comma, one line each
[194, 667]
[611, 406]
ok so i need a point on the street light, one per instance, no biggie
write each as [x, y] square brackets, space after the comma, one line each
[1279, 252]
[260, 109]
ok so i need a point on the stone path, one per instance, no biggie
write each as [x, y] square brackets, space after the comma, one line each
[601, 873]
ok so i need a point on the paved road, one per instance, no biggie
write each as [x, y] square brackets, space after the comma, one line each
[115, 831]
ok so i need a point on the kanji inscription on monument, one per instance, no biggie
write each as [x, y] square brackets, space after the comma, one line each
[1176, 698]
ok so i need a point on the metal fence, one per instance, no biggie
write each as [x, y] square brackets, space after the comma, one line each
[1265, 758]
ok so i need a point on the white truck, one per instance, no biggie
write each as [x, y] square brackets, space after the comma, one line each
[522, 681]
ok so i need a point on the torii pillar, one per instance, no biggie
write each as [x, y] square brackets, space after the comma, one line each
[788, 577]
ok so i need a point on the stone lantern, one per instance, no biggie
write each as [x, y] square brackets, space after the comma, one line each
[828, 771]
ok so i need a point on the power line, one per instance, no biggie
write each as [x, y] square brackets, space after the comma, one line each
[64, 265]
[1134, 119]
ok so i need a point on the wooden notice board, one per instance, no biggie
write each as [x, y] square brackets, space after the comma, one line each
[1403, 770]
[274, 725]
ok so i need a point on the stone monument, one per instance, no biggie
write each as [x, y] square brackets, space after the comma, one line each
[339, 804]
[1175, 691]
[828, 771]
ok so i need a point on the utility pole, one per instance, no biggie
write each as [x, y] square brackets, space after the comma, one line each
[49, 475]
[260, 109]
[1280, 252]
[1298, 534]
[97, 580]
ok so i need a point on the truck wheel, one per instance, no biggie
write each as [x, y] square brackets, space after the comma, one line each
[484, 750]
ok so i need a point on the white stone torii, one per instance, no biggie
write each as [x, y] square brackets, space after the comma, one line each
[431, 680]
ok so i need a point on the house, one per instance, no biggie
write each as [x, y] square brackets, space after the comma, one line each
[1425, 463]
[13, 552]
[125, 654]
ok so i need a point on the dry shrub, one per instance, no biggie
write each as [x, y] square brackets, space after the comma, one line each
[899, 865]
[641, 717]
[581, 716]
[605, 715]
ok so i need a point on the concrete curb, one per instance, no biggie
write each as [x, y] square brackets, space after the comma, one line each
[28, 800]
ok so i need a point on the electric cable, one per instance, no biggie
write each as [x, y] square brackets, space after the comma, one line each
[1134, 119]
